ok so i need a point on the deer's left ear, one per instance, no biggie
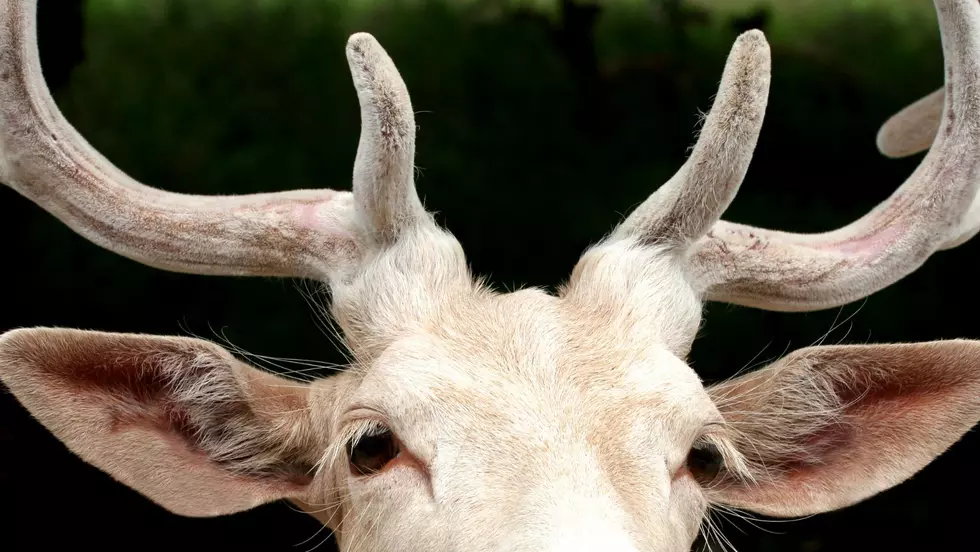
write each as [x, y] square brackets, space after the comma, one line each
[827, 427]
[179, 420]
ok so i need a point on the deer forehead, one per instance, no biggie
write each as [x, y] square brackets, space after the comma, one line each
[526, 366]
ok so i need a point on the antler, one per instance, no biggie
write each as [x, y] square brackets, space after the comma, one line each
[684, 208]
[305, 233]
[912, 130]
[796, 272]
[784, 271]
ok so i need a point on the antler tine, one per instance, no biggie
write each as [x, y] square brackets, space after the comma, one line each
[931, 211]
[913, 129]
[305, 233]
[684, 208]
[383, 170]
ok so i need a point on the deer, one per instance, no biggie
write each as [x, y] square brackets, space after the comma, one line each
[474, 419]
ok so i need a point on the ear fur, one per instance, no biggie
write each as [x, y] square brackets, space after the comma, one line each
[179, 420]
[827, 427]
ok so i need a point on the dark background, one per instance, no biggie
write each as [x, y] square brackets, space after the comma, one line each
[539, 128]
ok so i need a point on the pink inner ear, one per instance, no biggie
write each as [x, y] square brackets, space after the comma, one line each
[885, 402]
[827, 427]
[135, 387]
[191, 397]
[822, 447]
[877, 422]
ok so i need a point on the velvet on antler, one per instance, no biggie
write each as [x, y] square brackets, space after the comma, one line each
[304, 233]
[934, 209]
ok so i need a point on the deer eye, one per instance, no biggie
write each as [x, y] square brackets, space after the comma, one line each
[705, 462]
[371, 453]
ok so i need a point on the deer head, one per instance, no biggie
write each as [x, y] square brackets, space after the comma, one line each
[484, 421]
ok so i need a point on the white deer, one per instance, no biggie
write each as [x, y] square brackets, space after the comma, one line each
[483, 421]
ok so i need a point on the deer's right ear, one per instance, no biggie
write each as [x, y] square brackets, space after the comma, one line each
[179, 420]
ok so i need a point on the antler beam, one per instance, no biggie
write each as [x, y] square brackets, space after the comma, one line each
[934, 209]
[913, 130]
[305, 233]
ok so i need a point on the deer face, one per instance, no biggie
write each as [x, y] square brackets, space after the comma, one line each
[534, 423]
[532, 462]
[475, 420]
[485, 421]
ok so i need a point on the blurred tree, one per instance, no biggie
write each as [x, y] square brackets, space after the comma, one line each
[757, 18]
[60, 39]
